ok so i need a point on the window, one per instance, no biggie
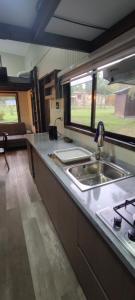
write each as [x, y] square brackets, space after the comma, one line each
[8, 108]
[81, 95]
[115, 106]
[106, 94]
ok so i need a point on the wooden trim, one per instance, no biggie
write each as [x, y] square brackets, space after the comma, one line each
[45, 13]
[36, 101]
[49, 97]
[67, 103]
[15, 84]
[116, 30]
[64, 42]
[22, 34]
[42, 100]
[18, 107]
[50, 84]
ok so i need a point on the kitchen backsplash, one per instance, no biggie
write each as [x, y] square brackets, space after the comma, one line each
[118, 153]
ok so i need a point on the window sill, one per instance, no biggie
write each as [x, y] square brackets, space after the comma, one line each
[129, 146]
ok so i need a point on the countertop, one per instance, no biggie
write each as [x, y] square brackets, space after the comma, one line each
[92, 200]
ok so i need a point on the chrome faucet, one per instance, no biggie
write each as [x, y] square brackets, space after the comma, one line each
[99, 139]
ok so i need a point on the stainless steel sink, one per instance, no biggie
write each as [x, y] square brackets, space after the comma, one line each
[92, 174]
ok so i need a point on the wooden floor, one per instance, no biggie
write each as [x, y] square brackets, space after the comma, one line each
[33, 264]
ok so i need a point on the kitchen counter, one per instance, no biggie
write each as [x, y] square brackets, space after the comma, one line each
[92, 200]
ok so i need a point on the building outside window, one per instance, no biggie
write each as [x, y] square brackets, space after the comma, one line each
[115, 106]
[81, 91]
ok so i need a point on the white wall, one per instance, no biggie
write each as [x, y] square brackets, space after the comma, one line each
[34, 55]
[47, 59]
[14, 63]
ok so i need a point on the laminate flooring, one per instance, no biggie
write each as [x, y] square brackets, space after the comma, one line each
[33, 264]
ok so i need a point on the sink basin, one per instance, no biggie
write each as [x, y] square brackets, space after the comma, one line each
[97, 173]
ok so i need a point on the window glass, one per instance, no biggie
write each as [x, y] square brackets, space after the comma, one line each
[8, 108]
[115, 106]
[81, 90]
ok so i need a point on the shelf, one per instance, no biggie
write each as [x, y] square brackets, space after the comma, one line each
[50, 84]
[49, 97]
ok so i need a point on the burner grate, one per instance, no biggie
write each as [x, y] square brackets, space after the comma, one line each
[125, 214]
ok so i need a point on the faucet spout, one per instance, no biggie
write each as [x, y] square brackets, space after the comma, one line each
[99, 138]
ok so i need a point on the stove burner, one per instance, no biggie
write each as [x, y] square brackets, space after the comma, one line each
[121, 221]
[134, 219]
[117, 222]
[131, 234]
[126, 214]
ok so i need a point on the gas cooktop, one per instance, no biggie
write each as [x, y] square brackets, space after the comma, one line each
[121, 221]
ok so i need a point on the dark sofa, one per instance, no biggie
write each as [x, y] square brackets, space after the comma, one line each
[16, 134]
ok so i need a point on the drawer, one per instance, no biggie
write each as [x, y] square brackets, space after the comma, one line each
[111, 273]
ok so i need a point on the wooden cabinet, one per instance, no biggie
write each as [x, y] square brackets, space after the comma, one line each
[108, 269]
[51, 85]
[49, 91]
[30, 159]
[46, 185]
[88, 280]
[59, 205]
[100, 272]
[67, 225]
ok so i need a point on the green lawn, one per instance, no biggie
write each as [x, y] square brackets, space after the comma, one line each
[8, 114]
[111, 121]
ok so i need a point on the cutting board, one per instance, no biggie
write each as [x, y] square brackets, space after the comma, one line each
[72, 154]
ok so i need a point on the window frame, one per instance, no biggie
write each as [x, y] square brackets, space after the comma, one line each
[8, 93]
[91, 129]
[67, 120]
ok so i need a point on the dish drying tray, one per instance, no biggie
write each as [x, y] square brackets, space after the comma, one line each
[72, 154]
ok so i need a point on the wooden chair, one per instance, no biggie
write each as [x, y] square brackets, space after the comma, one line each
[3, 149]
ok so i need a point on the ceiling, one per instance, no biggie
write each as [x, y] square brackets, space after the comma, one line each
[14, 47]
[99, 12]
[72, 30]
[82, 25]
[18, 12]
[102, 13]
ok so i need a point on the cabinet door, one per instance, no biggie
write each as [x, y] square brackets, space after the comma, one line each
[111, 273]
[46, 186]
[30, 158]
[61, 208]
[91, 286]
[67, 223]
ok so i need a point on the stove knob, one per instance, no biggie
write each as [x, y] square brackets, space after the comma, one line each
[134, 219]
[131, 234]
[117, 221]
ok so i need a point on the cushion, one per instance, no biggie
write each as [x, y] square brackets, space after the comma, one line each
[16, 137]
[13, 128]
